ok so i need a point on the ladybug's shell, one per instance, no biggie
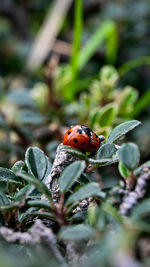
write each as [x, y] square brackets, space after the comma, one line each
[94, 143]
[81, 138]
[76, 140]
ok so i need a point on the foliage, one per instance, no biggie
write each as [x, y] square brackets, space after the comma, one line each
[98, 98]
[97, 74]
[22, 188]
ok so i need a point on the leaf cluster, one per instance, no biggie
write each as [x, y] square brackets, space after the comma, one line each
[22, 188]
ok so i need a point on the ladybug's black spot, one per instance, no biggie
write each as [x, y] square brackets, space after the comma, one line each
[75, 140]
[83, 144]
[79, 131]
[69, 133]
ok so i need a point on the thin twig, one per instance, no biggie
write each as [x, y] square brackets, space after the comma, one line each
[131, 198]
[72, 255]
[62, 160]
[62, 48]
[38, 234]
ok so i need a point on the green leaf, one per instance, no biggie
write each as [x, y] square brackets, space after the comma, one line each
[141, 210]
[107, 115]
[75, 152]
[134, 63]
[103, 162]
[104, 32]
[112, 46]
[42, 188]
[36, 162]
[129, 155]
[93, 212]
[39, 204]
[112, 211]
[83, 179]
[122, 129]
[77, 232]
[23, 215]
[48, 167]
[126, 98]
[23, 192]
[33, 211]
[7, 175]
[17, 166]
[78, 11]
[91, 189]
[109, 76]
[79, 216]
[140, 168]
[106, 151]
[43, 215]
[11, 206]
[142, 226]
[123, 170]
[98, 162]
[93, 117]
[4, 200]
[70, 175]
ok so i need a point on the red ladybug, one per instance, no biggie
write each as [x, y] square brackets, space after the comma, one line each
[82, 138]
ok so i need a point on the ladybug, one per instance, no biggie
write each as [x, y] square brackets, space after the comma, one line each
[82, 138]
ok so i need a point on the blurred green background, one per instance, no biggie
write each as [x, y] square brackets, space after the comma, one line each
[68, 62]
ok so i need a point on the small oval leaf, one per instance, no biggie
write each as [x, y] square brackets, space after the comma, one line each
[106, 151]
[75, 152]
[122, 129]
[70, 175]
[4, 200]
[123, 170]
[129, 155]
[91, 189]
[77, 232]
[36, 162]
[7, 175]
[103, 162]
[107, 115]
[42, 188]
[49, 166]
[23, 193]
[18, 166]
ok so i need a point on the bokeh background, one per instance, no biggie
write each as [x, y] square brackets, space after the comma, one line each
[63, 63]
